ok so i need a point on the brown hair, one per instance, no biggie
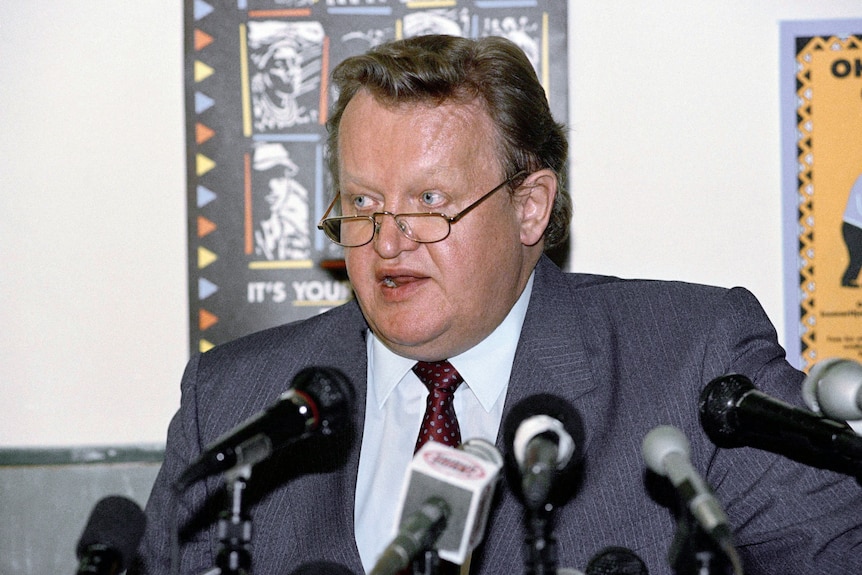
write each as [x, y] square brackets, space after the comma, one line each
[437, 69]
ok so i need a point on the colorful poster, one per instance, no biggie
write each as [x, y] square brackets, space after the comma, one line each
[257, 97]
[822, 110]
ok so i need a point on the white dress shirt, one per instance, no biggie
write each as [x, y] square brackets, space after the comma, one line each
[394, 407]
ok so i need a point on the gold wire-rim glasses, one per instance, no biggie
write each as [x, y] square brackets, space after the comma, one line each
[406, 222]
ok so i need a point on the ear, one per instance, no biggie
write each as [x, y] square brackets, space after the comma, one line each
[534, 200]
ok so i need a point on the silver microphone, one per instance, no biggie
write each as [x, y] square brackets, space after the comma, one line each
[833, 387]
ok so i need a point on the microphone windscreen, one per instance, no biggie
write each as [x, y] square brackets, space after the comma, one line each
[616, 561]
[117, 523]
[332, 395]
[717, 407]
[557, 408]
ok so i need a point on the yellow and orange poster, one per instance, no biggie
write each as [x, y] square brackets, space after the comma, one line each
[822, 109]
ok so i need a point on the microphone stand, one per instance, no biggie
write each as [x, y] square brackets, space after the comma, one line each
[541, 547]
[695, 552]
[234, 527]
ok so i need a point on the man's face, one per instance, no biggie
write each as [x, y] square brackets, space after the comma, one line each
[430, 301]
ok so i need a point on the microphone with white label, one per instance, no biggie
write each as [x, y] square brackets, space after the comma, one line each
[319, 402]
[734, 413]
[444, 504]
[833, 387]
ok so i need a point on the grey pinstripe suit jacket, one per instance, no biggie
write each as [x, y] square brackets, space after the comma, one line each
[628, 354]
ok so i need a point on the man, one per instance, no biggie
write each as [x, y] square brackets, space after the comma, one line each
[444, 125]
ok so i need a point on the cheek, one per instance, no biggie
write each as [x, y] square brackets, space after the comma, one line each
[355, 265]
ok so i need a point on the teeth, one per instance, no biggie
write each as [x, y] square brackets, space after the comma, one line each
[389, 282]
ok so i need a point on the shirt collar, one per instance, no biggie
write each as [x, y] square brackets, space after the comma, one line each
[486, 367]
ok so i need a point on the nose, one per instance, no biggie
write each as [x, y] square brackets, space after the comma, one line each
[389, 240]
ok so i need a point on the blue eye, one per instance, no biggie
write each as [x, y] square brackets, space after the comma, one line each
[360, 202]
[430, 199]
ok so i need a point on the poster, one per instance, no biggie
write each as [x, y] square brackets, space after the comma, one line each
[257, 97]
[822, 197]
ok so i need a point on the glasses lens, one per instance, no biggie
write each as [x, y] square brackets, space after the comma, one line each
[358, 231]
[349, 232]
[424, 228]
[332, 228]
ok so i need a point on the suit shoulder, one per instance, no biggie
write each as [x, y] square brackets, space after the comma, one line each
[316, 331]
[612, 287]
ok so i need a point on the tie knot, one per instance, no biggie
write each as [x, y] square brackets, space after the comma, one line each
[438, 375]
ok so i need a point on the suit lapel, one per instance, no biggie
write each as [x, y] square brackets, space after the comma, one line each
[350, 355]
[551, 356]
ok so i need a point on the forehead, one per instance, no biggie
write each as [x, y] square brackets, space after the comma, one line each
[380, 139]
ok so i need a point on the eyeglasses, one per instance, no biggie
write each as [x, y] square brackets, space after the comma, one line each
[423, 228]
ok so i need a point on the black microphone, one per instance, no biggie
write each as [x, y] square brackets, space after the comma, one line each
[833, 387]
[615, 560]
[542, 434]
[319, 402]
[666, 451]
[108, 543]
[733, 413]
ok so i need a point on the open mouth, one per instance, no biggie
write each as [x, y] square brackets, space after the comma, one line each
[389, 282]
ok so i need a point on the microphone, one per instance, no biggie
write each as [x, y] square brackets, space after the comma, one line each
[615, 560]
[666, 451]
[319, 402]
[111, 536]
[444, 503]
[542, 433]
[833, 387]
[734, 413]
[418, 532]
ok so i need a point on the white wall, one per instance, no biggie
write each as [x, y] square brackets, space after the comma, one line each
[676, 175]
[93, 301]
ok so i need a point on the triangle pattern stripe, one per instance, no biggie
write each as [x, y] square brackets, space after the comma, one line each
[202, 71]
[203, 164]
[202, 102]
[204, 196]
[205, 257]
[205, 226]
[204, 346]
[206, 319]
[203, 133]
[206, 288]
[202, 40]
[202, 9]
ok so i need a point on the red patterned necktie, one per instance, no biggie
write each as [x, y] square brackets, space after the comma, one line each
[439, 423]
